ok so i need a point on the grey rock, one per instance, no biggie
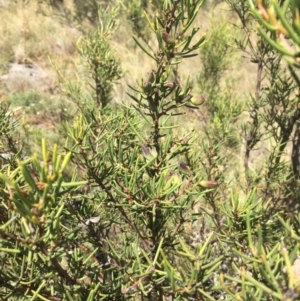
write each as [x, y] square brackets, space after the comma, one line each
[22, 77]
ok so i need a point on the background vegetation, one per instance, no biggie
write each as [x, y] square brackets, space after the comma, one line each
[149, 150]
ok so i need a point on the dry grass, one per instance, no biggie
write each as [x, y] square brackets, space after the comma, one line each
[33, 32]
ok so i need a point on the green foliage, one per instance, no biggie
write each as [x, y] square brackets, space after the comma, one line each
[134, 11]
[283, 21]
[8, 137]
[32, 102]
[37, 200]
[101, 63]
[139, 182]
[37, 112]
[137, 206]
[273, 108]
[223, 107]
[216, 55]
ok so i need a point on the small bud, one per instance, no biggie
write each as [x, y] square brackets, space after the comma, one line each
[145, 177]
[168, 38]
[197, 100]
[185, 169]
[209, 184]
[147, 87]
[148, 154]
[153, 152]
[151, 77]
[169, 84]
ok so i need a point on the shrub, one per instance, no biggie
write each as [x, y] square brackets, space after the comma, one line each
[132, 209]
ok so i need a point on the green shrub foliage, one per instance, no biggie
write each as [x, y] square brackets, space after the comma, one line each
[138, 207]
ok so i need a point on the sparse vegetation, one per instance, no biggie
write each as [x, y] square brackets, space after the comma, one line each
[149, 150]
